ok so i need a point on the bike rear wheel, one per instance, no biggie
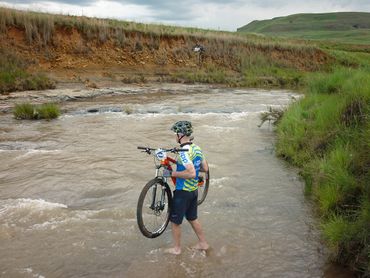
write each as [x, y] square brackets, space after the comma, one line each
[203, 188]
[153, 208]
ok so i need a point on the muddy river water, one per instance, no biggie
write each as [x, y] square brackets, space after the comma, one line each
[69, 190]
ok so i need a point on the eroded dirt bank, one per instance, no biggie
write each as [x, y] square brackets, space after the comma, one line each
[72, 55]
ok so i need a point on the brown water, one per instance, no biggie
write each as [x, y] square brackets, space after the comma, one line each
[69, 190]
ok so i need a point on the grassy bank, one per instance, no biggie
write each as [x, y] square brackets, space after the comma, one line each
[41, 27]
[327, 134]
[348, 27]
[257, 71]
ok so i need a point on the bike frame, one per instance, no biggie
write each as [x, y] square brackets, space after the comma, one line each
[164, 163]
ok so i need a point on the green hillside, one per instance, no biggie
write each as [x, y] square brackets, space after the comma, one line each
[348, 27]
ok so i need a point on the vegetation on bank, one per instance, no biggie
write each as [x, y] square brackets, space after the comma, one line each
[348, 27]
[327, 134]
[27, 111]
[14, 77]
[41, 27]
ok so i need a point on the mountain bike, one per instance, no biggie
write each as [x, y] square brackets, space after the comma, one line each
[154, 205]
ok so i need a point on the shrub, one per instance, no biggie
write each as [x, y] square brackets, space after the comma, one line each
[273, 114]
[27, 111]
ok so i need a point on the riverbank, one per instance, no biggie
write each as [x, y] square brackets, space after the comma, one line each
[327, 135]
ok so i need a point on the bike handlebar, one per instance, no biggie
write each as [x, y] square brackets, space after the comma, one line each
[173, 150]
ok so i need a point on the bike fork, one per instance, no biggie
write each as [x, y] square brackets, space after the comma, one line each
[154, 193]
[163, 196]
[162, 200]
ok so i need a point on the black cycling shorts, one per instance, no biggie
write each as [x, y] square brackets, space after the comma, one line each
[184, 203]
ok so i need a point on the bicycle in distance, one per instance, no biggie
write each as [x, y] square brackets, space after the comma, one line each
[154, 205]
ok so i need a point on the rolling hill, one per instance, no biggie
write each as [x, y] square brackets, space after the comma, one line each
[348, 27]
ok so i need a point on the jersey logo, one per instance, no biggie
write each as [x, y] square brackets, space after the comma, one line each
[183, 157]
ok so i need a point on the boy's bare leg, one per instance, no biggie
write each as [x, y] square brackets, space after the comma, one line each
[202, 244]
[176, 235]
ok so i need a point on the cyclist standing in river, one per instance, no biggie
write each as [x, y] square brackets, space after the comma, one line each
[185, 197]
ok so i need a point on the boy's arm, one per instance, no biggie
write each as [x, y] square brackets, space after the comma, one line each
[188, 173]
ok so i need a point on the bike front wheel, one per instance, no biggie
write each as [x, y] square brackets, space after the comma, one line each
[153, 208]
[203, 186]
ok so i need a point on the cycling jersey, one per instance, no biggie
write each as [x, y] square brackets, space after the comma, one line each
[193, 156]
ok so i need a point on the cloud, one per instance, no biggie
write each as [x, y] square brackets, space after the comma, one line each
[211, 14]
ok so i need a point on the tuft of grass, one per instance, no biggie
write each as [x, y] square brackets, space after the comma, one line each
[27, 111]
[337, 229]
[24, 111]
[48, 111]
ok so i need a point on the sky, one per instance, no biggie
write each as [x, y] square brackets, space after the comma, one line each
[206, 14]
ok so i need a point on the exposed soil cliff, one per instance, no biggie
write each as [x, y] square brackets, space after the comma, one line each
[70, 54]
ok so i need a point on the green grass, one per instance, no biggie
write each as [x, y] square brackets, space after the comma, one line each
[345, 27]
[27, 111]
[208, 74]
[352, 36]
[260, 71]
[14, 75]
[327, 133]
[257, 70]
[24, 111]
[48, 111]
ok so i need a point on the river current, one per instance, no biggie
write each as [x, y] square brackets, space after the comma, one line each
[69, 189]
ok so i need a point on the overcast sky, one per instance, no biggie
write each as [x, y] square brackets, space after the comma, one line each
[209, 14]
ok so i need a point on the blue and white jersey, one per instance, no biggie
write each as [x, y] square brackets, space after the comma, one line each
[193, 156]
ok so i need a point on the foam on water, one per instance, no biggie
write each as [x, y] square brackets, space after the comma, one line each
[220, 182]
[35, 152]
[9, 207]
[235, 116]
[38, 214]
[220, 128]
